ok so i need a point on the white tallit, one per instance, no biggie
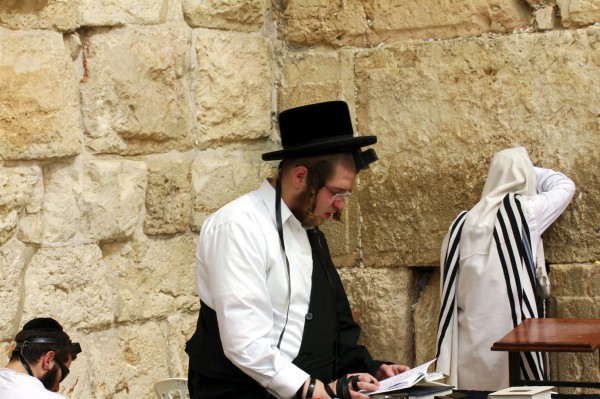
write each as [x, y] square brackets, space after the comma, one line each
[493, 290]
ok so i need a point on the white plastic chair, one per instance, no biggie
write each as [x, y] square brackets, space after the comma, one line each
[172, 388]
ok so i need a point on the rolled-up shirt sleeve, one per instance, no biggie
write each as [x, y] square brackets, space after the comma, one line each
[554, 193]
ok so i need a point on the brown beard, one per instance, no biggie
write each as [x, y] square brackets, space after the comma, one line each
[303, 208]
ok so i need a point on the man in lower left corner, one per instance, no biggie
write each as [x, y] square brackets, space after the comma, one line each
[39, 362]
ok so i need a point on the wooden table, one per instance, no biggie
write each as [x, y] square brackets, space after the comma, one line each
[549, 335]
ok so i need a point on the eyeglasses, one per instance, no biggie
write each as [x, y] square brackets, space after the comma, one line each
[63, 369]
[341, 196]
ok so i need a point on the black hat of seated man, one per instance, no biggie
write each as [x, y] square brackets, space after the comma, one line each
[318, 129]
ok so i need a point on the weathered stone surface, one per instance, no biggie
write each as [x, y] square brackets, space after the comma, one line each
[317, 75]
[21, 190]
[115, 12]
[38, 14]
[74, 280]
[14, 257]
[113, 194]
[39, 110]
[168, 198]
[384, 299]
[545, 17]
[246, 15]
[220, 176]
[343, 236]
[578, 280]
[438, 133]
[233, 87]
[136, 90]
[574, 294]
[371, 23]
[425, 317]
[174, 11]
[179, 328]
[61, 214]
[152, 278]
[575, 13]
[122, 362]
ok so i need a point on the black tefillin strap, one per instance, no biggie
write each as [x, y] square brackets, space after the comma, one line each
[280, 231]
[21, 346]
[25, 364]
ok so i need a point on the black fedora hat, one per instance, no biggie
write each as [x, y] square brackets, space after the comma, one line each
[319, 129]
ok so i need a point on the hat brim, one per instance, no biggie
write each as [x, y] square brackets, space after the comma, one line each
[322, 147]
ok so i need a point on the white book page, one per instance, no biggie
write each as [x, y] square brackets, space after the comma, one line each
[403, 380]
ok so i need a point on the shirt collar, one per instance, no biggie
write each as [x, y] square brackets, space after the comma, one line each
[267, 194]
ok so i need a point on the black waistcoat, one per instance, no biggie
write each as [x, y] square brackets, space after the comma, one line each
[217, 377]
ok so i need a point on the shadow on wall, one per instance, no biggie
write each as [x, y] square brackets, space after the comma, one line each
[23, 6]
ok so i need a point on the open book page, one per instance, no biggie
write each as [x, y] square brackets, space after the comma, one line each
[403, 380]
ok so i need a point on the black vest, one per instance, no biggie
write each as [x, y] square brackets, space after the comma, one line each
[212, 375]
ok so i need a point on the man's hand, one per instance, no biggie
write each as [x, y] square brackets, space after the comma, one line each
[390, 370]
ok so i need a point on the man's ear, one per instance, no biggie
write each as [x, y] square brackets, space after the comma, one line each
[299, 176]
[47, 359]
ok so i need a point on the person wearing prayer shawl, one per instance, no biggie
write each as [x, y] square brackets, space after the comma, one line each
[493, 274]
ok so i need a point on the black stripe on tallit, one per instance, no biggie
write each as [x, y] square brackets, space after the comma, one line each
[447, 306]
[530, 361]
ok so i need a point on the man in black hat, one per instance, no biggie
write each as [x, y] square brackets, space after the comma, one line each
[39, 362]
[275, 319]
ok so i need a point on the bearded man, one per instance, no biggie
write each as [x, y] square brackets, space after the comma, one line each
[275, 320]
[39, 362]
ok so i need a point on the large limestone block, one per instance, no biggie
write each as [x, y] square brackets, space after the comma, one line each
[578, 12]
[152, 278]
[384, 298]
[136, 90]
[245, 15]
[39, 111]
[21, 192]
[116, 12]
[442, 109]
[220, 176]
[59, 219]
[69, 284]
[112, 198]
[14, 257]
[38, 14]
[168, 198]
[371, 23]
[233, 87]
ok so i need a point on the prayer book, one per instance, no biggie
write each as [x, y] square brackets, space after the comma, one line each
[421, 390]
[407, 379]
[535, 392]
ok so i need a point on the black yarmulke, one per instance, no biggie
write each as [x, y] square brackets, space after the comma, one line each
[43, 323]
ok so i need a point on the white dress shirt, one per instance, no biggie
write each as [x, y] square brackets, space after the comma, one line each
[241, 274]
[15, 385]
[554, 193]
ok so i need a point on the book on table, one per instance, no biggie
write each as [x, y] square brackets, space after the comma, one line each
[401, 383]
[421, 390]
[525, 392]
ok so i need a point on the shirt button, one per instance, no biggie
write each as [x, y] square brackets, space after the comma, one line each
[309, 316]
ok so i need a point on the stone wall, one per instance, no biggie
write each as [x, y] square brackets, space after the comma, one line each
[123, 125]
